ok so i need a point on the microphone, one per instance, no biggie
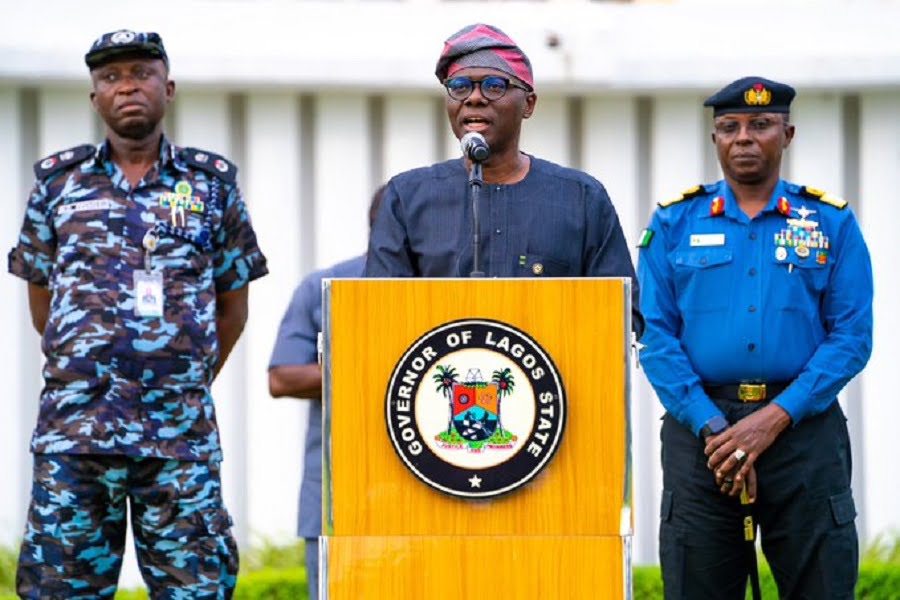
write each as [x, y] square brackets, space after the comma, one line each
[474, 147]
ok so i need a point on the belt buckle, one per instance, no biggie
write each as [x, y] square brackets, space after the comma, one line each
[752, 392]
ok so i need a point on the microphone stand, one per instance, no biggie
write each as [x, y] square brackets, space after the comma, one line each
[475, 183]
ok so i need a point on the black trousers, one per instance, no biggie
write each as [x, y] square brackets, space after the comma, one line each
[804, 509]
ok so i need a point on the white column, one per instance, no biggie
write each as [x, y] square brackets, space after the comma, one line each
[202, 120]
[880, 162]
[275, 428]
[65, 119]
[546, 134]
[679, 137]
[677, 151]
[409, 130]
[16, 368]
[342, 178]
[816, 156]
[610, 153]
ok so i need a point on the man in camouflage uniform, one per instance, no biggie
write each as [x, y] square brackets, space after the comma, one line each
[137, 255]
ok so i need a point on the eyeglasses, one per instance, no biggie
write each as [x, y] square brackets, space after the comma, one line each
[758, 126]
[492, 88]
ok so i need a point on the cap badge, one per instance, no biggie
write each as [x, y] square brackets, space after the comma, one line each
[758, 95]
[122, 37]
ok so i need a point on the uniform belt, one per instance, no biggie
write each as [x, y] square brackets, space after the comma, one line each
[746, 392]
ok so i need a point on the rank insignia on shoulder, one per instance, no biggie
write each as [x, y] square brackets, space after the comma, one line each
[784, 207]
[823, 196]
[211, 163]
[62, 160]
[693, 192]
[646, 238]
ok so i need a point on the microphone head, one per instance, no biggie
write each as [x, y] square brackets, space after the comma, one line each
[475, 147]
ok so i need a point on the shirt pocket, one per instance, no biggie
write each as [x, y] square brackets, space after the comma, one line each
[183, 248]
[803, 278]
[533, 265]
[77, 220]
[703, 277]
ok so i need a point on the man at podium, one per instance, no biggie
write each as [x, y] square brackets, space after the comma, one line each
[534, 218]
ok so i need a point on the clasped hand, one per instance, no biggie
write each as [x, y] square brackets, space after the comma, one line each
[733, 453]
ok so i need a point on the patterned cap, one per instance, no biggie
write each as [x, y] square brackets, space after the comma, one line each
[752, 95]
[109, 46]
[484, 46]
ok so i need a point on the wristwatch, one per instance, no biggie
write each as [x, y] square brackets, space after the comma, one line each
[714, 426]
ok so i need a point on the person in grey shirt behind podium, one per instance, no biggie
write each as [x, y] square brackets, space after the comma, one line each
[537, 218]
[294, 371]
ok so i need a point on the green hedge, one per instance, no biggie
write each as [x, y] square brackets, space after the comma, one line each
[265, 584]
[877, 581]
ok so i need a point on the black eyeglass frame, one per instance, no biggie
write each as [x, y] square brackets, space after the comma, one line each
[480, 83]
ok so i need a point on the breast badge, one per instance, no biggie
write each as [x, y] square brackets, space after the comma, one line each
[180, 200]
[803, 236]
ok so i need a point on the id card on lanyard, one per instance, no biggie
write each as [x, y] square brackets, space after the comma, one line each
[149, 297]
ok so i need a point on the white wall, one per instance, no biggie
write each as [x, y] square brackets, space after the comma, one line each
[319, 102]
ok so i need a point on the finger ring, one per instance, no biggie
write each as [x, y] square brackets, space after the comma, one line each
[729, 480]
[728, 483]
[740, 455]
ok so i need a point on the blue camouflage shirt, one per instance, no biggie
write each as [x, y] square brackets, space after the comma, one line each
[116, 382]
[297, 344]
[556, 222]
[783, 297]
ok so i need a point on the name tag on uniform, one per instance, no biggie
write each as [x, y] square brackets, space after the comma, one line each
[148, 293]
[707, 239]
[74, 207]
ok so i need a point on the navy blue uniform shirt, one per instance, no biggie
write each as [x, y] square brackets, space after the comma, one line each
[117, 382]
[785, 296]
[296, 344]
[556, 222]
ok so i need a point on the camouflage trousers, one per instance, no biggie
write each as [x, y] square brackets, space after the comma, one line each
[75, 534]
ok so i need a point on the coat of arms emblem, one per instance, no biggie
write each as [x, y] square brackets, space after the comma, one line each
[475, 408]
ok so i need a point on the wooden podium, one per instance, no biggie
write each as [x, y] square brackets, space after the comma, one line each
[566, 533]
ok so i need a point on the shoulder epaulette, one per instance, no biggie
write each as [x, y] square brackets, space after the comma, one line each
[211, 163]
[687, 194]
[821, 196]
[62, 160]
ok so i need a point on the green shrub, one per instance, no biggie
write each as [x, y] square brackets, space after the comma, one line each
[8, 559]
[273, 584]
[263, 584]
[885, 548]
[273, 572]
[266, 554]
[877, 581]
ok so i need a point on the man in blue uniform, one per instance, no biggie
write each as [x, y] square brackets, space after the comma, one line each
[758, 298]
[294, 371]
[537, 219]
[137, 255]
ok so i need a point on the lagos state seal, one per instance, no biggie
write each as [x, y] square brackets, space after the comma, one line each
[475, 408]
